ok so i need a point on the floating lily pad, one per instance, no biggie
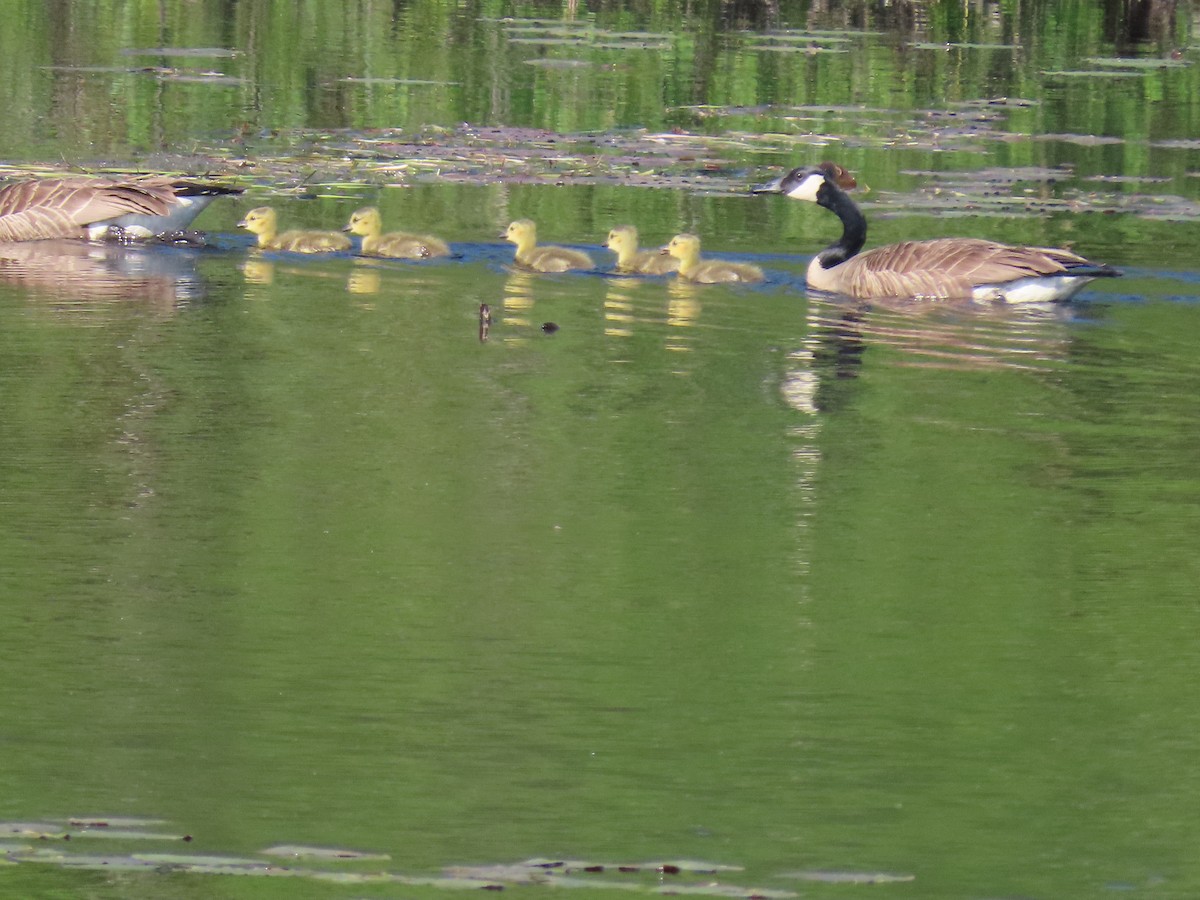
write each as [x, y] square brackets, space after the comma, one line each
[202, 78]
[810, 50]
[113, 822]
[840, 877]
[198, 860]
[1084, 140]
[672, 867]
[961, 45]
[1090, 73]
[42, 830]
[221, 52]
[415, 81]
[122, 834]
[1137, 63]
[124, 70]
[296, 851]
[549, 41]
[558, 63]
[814, 37]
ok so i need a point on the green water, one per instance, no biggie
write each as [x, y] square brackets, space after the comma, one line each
[289, 555]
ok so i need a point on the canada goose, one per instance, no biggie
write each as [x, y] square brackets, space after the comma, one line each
[263, 222]
[523, 233]
[93, 208]
[942, 269]
[623, 241]
[686, 249]
[368, 223]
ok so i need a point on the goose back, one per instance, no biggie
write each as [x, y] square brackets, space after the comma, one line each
[946, 269]
[46, 208]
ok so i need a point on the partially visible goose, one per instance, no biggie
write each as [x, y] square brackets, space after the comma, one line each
[263, 222]
[623, 241]
[368, 223]
[942, 269]
[523, 233]
[140, 207]
[686, 249]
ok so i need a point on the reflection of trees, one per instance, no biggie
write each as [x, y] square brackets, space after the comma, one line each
[1129, 23]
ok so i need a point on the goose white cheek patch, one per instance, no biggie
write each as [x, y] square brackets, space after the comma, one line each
[807, 189]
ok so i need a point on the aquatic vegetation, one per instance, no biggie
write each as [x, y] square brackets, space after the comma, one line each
[676, 876]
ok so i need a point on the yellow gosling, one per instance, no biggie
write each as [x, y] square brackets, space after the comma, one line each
[263, 222]
[523, 233]
[686, 249]
[623, 241]
[367, 223]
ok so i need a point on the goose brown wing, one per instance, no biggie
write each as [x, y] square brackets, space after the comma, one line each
[948, 268]
[63, 207]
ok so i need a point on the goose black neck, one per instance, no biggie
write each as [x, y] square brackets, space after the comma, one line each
[854, 225]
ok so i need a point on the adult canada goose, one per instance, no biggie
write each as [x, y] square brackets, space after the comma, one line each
[686, 249]
[523, 233]
[623, 241]
[140, 207]
[368, 223]
[263, 222]
[942, 269]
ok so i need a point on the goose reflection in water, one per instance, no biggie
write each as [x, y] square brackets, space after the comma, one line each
[843, 334]
[73, 273]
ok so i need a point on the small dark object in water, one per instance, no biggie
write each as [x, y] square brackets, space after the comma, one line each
[669, 869]
[596, 868]
[187, 838]
[182, 238]
[549, 327]
[485, 321]
[117, 235]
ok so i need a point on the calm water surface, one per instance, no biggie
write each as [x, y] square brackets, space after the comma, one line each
[290, 556]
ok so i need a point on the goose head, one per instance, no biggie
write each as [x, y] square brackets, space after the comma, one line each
[817, 184]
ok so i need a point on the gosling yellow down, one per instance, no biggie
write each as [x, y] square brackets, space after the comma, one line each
[263, 222]
[686, 249]
[367, 223]
[623, 241]
[523, 233]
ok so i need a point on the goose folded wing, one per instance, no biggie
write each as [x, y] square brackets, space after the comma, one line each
[34, 210]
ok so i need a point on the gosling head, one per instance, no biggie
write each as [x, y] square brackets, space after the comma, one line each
[260, 220]
[364, 221]
[520, 231]
[622, 237]
[683, 247]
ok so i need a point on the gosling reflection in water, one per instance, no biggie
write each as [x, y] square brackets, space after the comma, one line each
[364, 279]
[72, 272]
[631, 306]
